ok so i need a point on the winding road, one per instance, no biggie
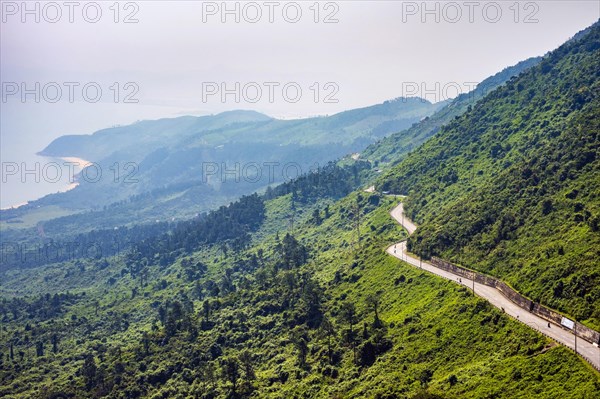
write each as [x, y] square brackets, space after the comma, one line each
[590, 352]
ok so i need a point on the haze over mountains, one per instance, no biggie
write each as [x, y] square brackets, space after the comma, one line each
[289, 292]
[178, 151]
[184, 166]
[178, 168]
[349, 128]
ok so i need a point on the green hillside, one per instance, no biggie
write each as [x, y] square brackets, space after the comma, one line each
[181, 200]
[512, 187]
[307, 310]
[289, 293]
[393, 148]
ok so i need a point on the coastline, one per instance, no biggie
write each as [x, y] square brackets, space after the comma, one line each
[14, 206]
[80, 165]
[72, 182]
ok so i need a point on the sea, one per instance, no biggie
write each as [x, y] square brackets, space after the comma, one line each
[32, 176]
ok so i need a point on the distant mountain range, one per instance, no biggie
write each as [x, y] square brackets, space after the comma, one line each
[180, 167]
[183, 150]
[347, 128]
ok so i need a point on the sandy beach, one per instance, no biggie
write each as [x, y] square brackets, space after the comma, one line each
[80, 164]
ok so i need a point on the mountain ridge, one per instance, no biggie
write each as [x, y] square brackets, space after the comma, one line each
[510, 187]
[218, 121]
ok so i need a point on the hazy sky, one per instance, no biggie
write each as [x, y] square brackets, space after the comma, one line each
[178, 54]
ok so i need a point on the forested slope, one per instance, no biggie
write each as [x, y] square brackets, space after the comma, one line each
[512, 187]
[394, 148]
[308, 309]
[291, 294]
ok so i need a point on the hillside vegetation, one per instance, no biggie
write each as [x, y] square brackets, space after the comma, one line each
[395, 147]
[180, 200]
[512, 187]
[289, 293]
[313, 308]
[163, 140]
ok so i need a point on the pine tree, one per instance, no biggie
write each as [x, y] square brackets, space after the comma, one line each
[39, 349]
[206, 310]
[329, 331]
[231, 373]
[348, 314]
[373, 303]
[88, 371]
[146, 343]
[300, 341]
[247, 364]
[316, 217]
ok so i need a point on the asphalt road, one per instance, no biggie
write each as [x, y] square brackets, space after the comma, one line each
[587, 350]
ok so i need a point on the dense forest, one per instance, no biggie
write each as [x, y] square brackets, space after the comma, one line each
[165, 240]
[315, 310]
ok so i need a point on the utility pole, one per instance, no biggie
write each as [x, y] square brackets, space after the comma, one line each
[575, 332]
[357, 222]
[473, 284]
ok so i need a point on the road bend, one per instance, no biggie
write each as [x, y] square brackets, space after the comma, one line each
[587, 350]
